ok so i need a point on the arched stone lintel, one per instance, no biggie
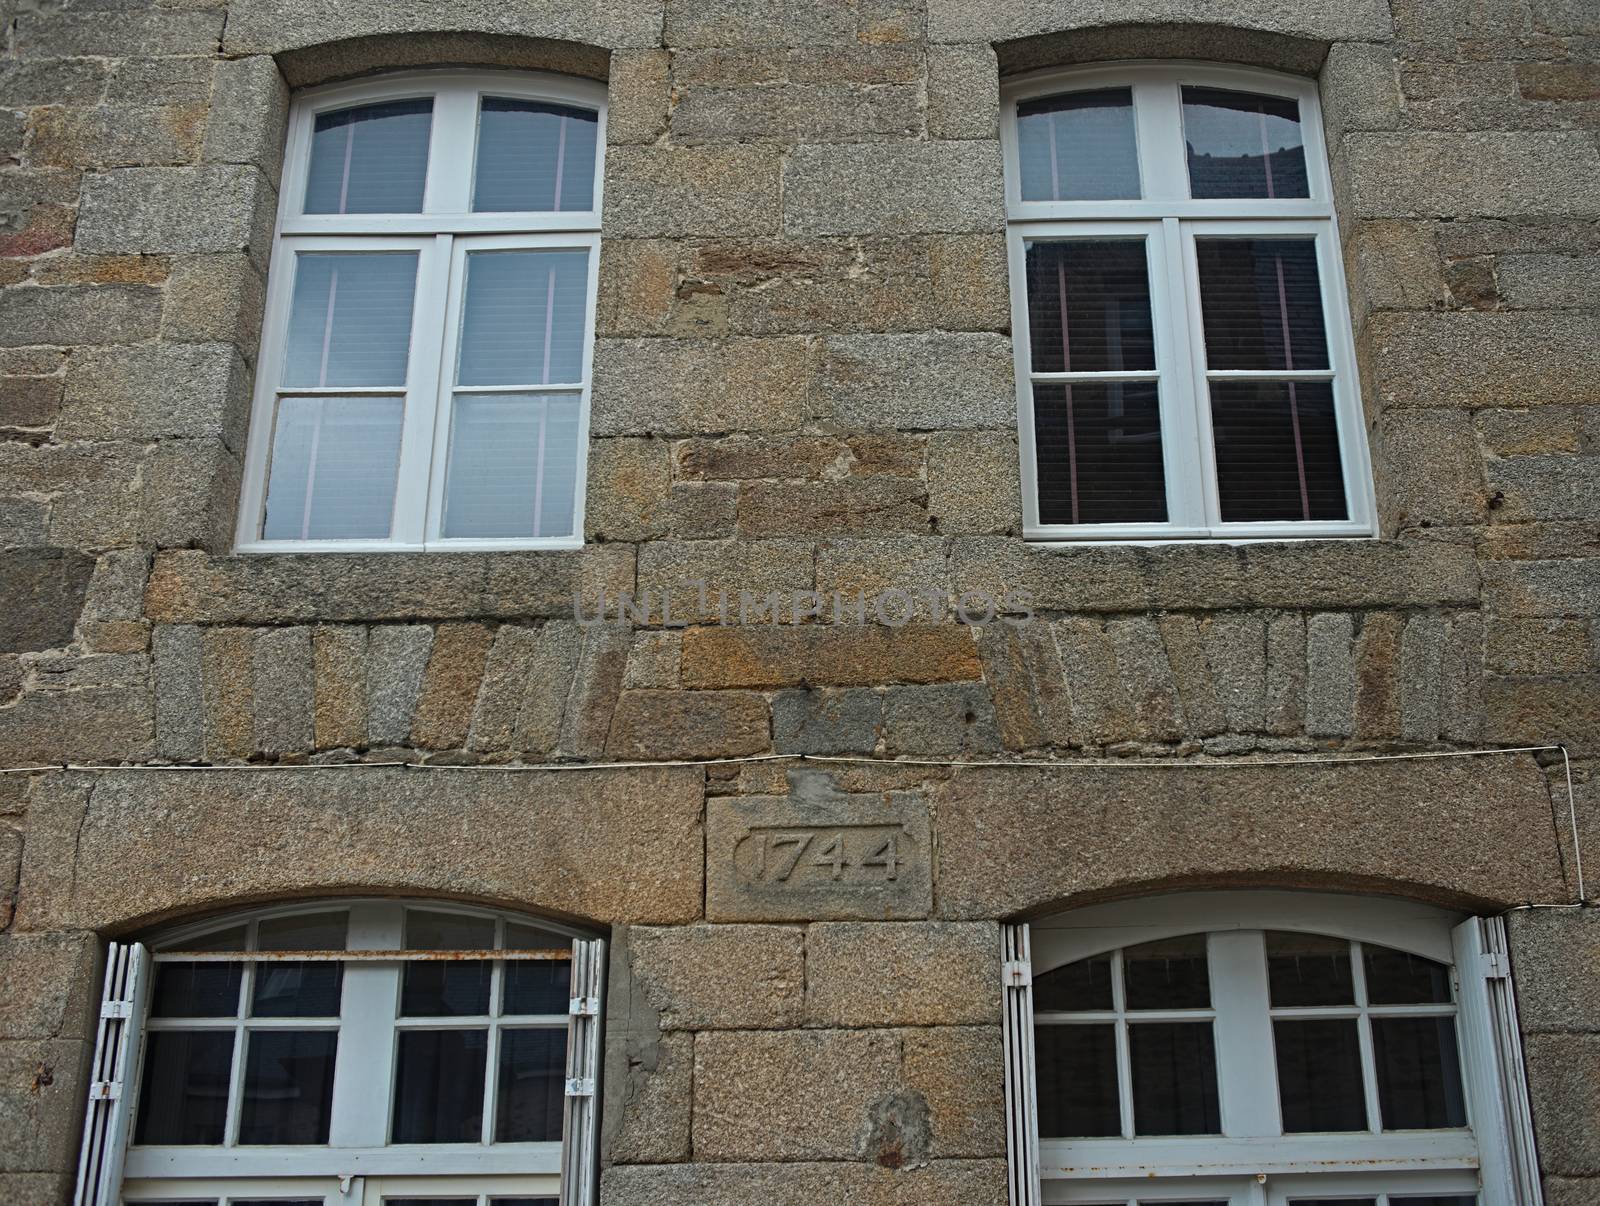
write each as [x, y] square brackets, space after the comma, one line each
[324, 62]
[1208, 43]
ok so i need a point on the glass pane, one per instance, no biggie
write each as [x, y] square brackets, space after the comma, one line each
[1077, 1069]
[1309, 969]
[1098, 452]
[288, 1086]
[1169, 974]
[1333, 1202]
[430, 1201]
[1085, 984]
[446, 989]
[1261, 300]
[1464, 1199]
[1277, 449]
[335, 462]
[1174, 1079]
[272, 1202]
[531, 1089]
[544, 987]
[534, 156]
[513, 467]
[350, 319]
[1419, 1073]
[438, 1087]
[1319, 1076]
[200, 990]
[1078, 147]
[305, 990]
[184, 1099]
[372, 159]
[1243, 145]
[523, 319]
[1089, 307]
[1397, 978]
[522, 1202]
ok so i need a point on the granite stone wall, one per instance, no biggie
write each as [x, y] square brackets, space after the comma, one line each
[802, 386]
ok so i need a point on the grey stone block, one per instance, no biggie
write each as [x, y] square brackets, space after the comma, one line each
[1360, 89]
[721, 977]
[756, 23]
[249, 111]
[924, 973]
[1330, 674]
[397, 656]
[937, 381]
[963, 92]
[1536, 282]
[1531, 358]
[677, 192]
[1462, 174]
[939, 1183]
[285, 702]
[67, 315]
[1564, 1083]
[158, 391]
[191, 489]
[817, 113]
[1430, 467]
[907, 188]
[1286, 674]
[974, 482]
[1236, 650]
[179, 694]
[962, 21]
[551, 669]
[819, 721]
[1147, 677]
[671, 386]
[638, 95]
[212, 208]
[1555, 954]
[1421, 665]
[505, 679]
[1461, 678]
[1101, 712]
[214, 299]
[53, 82]
[118, 35]
[1546, 487]
[42, 592]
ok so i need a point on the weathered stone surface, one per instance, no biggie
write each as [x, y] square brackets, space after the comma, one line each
[693, 724]
[958, 21]
[214, 299]
[832, 655]
[397, 658]
[923, 974]
[1377, 677]
[1022, 840]
[144, 846]
[78, 314]
[1562, 709]
[551, 668]
[673, 192]
[450, 686]
[119, 34]
[907, 188]
[42, 592]
[1100, 708]
[1546, 487]
[157, 391]
[1421, 664]
[43, 1083]
[339, 673]
[940, 1183]
[818, 854]
[653, 660]
[1564, 1083]
[1461, 678]
[960, 1072]
[250, 106]
[227, 659]
[1147, 677]
[180, 701]
[216, 207]
[1556, 957]
[1432, 467]
[867, 568]
[683, 387]
[284, 695]
[506, 678]
[721, 977]
[963, 92]
[1417, 174]
[823, 721]
[948, 720]
[816, 113]
[1548, 281]
[705, 578]
[864, 504]
[973, 483]
[591, 704]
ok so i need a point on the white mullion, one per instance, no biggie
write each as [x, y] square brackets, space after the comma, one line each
[363, 1072]
[451, 148]
[1022, 359]
[1091, 378]
[1124, 1047]
[491, 1058]
[1186, 424]
[1369, 1063]
[1246, 1066]
[452, 298]
[422, 394]
[1159, 126]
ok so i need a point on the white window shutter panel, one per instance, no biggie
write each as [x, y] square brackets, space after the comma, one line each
[111, 1076]
[1497, 1083]
[580, 1172]
[1022, 1107]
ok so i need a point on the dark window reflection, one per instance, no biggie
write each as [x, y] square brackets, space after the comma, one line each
[531, 1089]
[446, 988]
[1169, 974]
[1277, 451]
[536, 987]
[1241, 144]
[1261, 304]
[1098, 452]
[200, 990]
[1319, 1076]
[1419, 1074]
[1397, 978]
[1089, 307]
[1174, 1079]
[1309, 969]
[1074, 987]
[439, 1082]
[302, 990]
[1078, 147]
[1077, 1071]
[288, 1086]
[184, 1099]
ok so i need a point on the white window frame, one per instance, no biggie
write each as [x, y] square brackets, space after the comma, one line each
[442, 235]
[358, 1151]
[1168, 221]
[1253, 1164]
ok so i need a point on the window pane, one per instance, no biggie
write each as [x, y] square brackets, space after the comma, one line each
[335, 462]
[438, 1088]
[1243, 145]
[200, 990]
[350, 319]
[523, 319]
[1419, 1073]
[522, 1202]
[1333, 1202]
[1319, 1076]
[430, 1201]
[446, 989]
[1397, 978]
[1098, 451]
[1169, 974]
[1089, 307]
[531, 1089]
[1077, 1069]
[534, 156]
[185, 1094]
[1277, 450]
[288, 1086]
[544, 987]
[1309, 969]
[1174, 1079]
[1085, 984]
[513, 467]
[1261, 300]
[1078, 147]
[305, 990]
[372, 159]
[1464, 1199]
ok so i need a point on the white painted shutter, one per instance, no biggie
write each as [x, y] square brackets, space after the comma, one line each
[580, 1171]
[1016, 1028]
[111, 1077]
[1497, 1083]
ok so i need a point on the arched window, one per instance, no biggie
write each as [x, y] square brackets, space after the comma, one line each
[1277, 1049]
[1185, 365]
[424, 371]
[348, 1053]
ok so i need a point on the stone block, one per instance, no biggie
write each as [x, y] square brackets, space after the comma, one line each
[1286, 674]
[1564, 1083]
[1551, 709]
[1454, 174]
[960, 1072]
[596, 679]
[939, 1183]
[638, 94]
[683, 387]
[1420, 670]
[1461, 678]
[1330, 674]
[1378, 675]
[938, 381]
[1147, 678]
[507, 677]
[1551, 645]
[29, 402]
[963, 92]
[818, 854]
[1431, 468]
[653, 660]
[687, 191]
[1542, 588]
[823, 721]
[1564, 17]
[114, 34]
[1540, 282]
[43, 1085]
[1101, 710]
[1556, 960]
[904, 188]
[630, 488]
[165, 79]
[179, 694]
[772, 23]
[214, 299]
[864, 504]
[54, 82]
[90, 725]
[1360, 89]
[285, 705]
[159, 391]
[1546, 487]
[397, 658]
[48, 988]
[790, 1095]
[552, 667]
[143, 845]
[649, 1097]
[450, 686]
[249, 112]
[689, 724]
[816, 113]
[110, 136]
[744, 457]
[1354, 20]
[867, 568]
[1392, 265]
[212, 208]
[832, 655]
[227, 661]
[1236, 649]
[339, 665]
[1456, 829]
[67, 315]
[955, 720]
[922, 974]
[721, 977]
[973, 482]
[42, 592]
[191, 490]
[971, 289]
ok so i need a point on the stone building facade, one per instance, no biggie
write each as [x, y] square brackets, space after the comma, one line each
[802, 382]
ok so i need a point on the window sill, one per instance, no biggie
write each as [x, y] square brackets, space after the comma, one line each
[296, 547]
[1063, 536]
[432, 1159]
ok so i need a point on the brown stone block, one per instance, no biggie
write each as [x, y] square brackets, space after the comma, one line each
[43, 1085]
[1378, 676]
[923, 974]
[1555, 955]
[939, 1183]
[678, 191]
[865, 504]
[47, 985]
[1474, 360]
[450, 686]
[753, 457]
[1549, 709]
[1564, 1082]
[705, 578]
[960, 1072]
[697, 724]
[721, 977]
[832, 655]
[143, 847]
[690, 387]
[1558, 81]
[100, 724]
[1456, 830]
[339, 675]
